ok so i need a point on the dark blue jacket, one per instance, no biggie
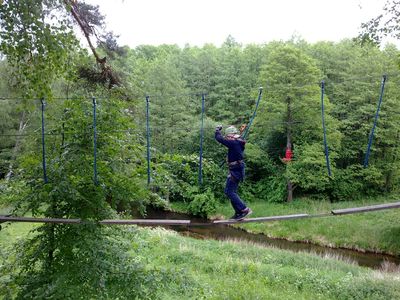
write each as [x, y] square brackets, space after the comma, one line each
[235, 146]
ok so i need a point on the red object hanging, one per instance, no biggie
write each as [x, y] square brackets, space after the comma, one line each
[288, 155]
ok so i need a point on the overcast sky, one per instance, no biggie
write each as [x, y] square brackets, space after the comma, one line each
[197, 22]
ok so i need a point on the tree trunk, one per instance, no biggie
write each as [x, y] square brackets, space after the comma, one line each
[289, 191]
[289, 119]
[22, 126]
[106, 69]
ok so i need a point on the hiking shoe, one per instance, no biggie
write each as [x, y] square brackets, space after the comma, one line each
[246, 212]
[234, 216]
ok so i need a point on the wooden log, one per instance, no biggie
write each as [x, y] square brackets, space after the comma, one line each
[365, 208]
[263, 219]
[105, 222]
[39, 220]
[145, 222]
[4, 216]
[189, 223]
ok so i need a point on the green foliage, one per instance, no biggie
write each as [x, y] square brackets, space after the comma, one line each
[42, 52]
[373, 231]
[308, 169]
[11, 192]
[72, 193]
[175, 178]
[8, 125]
[291, 72]
[36, 48]
[203, 204]
[217, 268]
[70, 162]
[383, 25]
[355, 182]
[160, 264]
[91, 262]
[264, 178]
[268, 189]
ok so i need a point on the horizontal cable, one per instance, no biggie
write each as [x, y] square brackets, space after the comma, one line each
[197, 94]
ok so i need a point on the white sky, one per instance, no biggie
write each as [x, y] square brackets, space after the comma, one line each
[196, 22]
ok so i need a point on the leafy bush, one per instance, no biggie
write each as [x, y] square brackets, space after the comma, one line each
[308, 169]
[264, 180]
[258, 163]
[11, 192]
[350, 183]
[66, 262]
[175, 177]
[203, 204]
[269, 189]
[93, 262]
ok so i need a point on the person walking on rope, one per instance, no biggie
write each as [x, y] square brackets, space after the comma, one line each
[235, 145]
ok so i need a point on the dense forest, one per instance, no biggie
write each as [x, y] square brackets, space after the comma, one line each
[74, 135]
[229, 76]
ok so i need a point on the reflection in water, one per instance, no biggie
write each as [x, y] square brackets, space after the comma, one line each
[224, 232]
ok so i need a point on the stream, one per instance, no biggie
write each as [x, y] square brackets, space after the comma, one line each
[225, 232]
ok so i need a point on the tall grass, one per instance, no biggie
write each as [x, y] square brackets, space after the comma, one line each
[371, 231]
[187, 268]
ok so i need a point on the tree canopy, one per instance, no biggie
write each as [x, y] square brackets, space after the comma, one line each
[95, 135]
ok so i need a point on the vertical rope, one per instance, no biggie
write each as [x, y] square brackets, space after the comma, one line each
[371, 136]
[246, 132]
[201, 140]
[324, 128]
[94, 143]
[43, 144]
[148, 138]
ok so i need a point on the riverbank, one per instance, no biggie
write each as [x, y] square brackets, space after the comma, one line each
[186, 268]
[377, 232]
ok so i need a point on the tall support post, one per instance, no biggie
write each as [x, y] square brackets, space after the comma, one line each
[201, 140]
[328, 167]
[94, 142]
[371, 136]
[148, 138]
[43, 104]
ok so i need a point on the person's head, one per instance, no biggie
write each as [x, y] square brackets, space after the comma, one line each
[232, 132]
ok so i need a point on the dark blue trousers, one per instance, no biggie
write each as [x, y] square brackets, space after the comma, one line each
[236, 175]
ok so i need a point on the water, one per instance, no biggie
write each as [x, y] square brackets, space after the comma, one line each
[224, 232]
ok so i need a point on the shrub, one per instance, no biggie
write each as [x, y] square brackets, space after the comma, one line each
[203, 204]
[176, 177]
[348, 184]
[269, 189]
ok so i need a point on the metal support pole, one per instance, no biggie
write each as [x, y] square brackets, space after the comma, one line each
[324, 129]
[94, 143]
[43, 143]
[148, 138]
[371, 136]
[201, 140]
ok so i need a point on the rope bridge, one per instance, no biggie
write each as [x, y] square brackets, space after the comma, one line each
[158, 222]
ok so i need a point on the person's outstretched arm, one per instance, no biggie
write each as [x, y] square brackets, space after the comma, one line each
[219, 137]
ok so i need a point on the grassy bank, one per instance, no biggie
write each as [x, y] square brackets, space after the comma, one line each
[373, 231]
[185, 268]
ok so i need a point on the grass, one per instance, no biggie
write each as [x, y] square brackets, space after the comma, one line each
[372, 231]
[207, 269]
[12, 233]
[237, 270]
